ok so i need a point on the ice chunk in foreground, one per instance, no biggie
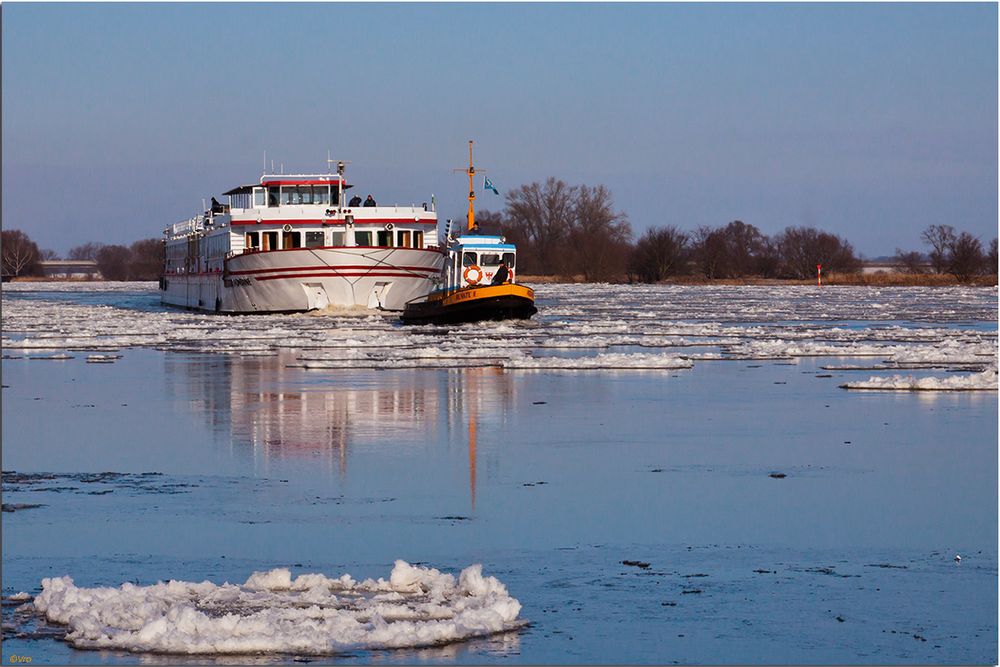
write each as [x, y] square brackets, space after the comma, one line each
[274, 613]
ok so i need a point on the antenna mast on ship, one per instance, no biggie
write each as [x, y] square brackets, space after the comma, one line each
[341, 167]
[471, 171]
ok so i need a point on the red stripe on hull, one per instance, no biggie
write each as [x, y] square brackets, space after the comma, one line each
[338, 274]
[348, 267]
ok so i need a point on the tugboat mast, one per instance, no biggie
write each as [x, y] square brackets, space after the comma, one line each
[471, 171]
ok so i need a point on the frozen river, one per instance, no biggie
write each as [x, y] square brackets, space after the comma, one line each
[645, 474]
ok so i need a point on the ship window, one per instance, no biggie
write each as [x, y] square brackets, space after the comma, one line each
[307, 194]
[418, 239]
[489, 259]
[314, 239]
[337, 238]
[468, 259]
[404, 239]
[253, 240]
[272, 196]
[269, 240]
[321, 194]
[258, 196]
[363, 238]
[293, 240]
[286, 196]
[385, 239]
[508, 259]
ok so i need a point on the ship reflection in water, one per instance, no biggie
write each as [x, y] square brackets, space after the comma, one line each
[268, 409]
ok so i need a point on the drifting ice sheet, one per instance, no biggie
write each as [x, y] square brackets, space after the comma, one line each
[985, 381]
[274, 613]
[940, 326]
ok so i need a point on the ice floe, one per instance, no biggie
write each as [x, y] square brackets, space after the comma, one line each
[984, 381]
[636, 361]
[272, 612]
[599, 327]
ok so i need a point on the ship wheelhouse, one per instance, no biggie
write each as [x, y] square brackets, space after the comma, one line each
[289, 212]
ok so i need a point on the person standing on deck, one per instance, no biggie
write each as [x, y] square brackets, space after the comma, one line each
[370, 201]
[500, 277]
[355, 201]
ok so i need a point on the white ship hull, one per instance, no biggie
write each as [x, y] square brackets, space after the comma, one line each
[305, 279]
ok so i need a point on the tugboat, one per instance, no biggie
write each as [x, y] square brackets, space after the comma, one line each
[478, 278]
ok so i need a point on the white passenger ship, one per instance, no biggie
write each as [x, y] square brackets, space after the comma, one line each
[292, 243]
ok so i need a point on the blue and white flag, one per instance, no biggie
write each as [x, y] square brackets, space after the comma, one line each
[488, 185]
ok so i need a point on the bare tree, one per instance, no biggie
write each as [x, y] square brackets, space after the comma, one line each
[85, 251]
[47, 255]
[708, 249]
[939, 238]
[965, 257]
[802, 248]
[659, 254]
[542, 215]
[19, 254]
[146, 259]
[599, 237]
[767, 263]
[991, 258]
[113, 262]
[728, 252]
[912, 261]
[743, 243]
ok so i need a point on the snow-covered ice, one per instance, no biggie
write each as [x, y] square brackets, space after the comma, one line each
[600, 326]
[272, 612]
[985, 381]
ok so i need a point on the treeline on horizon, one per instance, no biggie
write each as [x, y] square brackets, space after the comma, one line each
[143, 260]
[573, 230]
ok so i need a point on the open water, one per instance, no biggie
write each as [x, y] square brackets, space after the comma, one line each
[656, 474]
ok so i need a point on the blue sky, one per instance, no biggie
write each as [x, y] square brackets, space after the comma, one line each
[871, 121]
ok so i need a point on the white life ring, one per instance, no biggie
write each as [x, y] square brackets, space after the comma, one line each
[389, 227]
[469, 278]
[287, 228]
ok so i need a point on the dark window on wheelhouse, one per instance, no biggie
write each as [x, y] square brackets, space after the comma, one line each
[273, 193]
[468, 259]
[508, 259]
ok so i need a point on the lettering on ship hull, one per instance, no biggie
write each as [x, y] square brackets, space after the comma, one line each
[236, 282]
